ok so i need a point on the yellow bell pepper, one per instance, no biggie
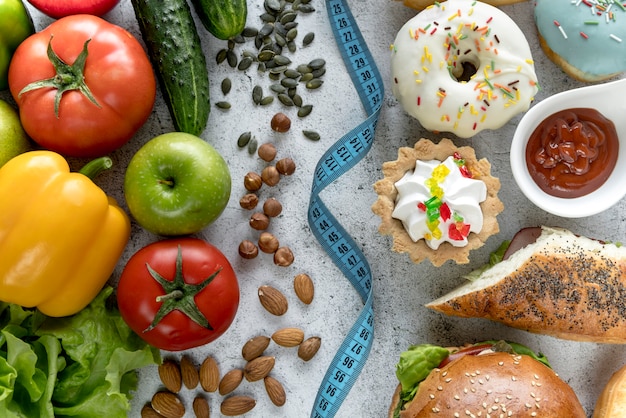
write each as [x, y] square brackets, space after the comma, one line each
[61, 236]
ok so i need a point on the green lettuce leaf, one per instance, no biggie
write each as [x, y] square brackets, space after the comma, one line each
[78, 366]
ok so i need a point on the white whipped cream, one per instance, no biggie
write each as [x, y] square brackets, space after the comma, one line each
[458, 208]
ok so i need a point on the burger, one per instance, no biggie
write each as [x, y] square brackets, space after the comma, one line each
[490, 379]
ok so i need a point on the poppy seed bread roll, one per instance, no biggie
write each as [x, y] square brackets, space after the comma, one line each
[563, 285]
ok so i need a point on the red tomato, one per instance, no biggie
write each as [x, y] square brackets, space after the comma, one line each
[117, 72]
[185, 266]
[61, 8]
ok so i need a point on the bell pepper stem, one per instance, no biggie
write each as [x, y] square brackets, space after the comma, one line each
[96, 166]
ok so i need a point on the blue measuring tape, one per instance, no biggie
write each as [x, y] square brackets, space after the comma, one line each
[336, 161]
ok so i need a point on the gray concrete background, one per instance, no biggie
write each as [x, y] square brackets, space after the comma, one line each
[401, 288]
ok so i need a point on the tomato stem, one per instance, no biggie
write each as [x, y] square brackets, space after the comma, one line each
[176, 294]
[179, 295]
[68, 77]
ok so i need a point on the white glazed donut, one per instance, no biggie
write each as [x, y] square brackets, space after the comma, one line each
[462, 66]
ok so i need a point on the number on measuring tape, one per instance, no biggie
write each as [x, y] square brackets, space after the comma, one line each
[338, 244]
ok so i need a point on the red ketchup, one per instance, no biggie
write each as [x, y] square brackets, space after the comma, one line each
[572, 152]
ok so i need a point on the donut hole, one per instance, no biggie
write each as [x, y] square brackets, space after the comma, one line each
[465, 69]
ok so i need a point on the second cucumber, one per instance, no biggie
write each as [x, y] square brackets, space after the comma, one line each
[225, 19]
[169, 31]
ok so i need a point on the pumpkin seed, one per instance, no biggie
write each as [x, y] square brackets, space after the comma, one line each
[317, 63]
[261, 67]
[314, 84]
[305, 110]
[282, 60]
[289, 82]
[266, 55]
[250, 32]
[306, 77]
[226, 86]
[287, 17]
[291, 34]
[249, 54]
[274, 76]
[280, 29]
[221, 56]
[252, 146]
[297, 100]
[278, 88]
[308, 38]
[272, 6]
[267, 100]
[306, 8]
[231, 57]
[231, 44]
[290, 25]
[303, 69]
[285, 99]
[257, 94]
[268, 18]
[244, 64]
[291, 92]
[319, 72]
[312, 135]
[278, 69]
[291, 46]
[296, 4]
[280, 40]
[267, 29]
[223, 105]
[243, 139]
[291, 73]
[239, 39]
[258, 41]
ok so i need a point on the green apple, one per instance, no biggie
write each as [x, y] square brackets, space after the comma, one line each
[13, 139]
[176, 184]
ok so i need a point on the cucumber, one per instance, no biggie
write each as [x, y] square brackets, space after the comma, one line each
[225, 19]
[173, 44]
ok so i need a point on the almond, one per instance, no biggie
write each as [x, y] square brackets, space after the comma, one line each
[169, 373]
[168, 404]
[237, 405]
[189, 372]
[209, 375]
[255, 347]
[303, 286]
[201, 407]
[309, 347]
[148, 412]
[230, 381]
[273, 300]
[258, 368]
[275, 391]
[288, 337]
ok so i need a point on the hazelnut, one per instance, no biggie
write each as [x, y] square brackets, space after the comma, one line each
[280, 122]
[259, 221]
[249, 201]
[248, 250]
[286, 166]
[272, 207]
[267, 152]
[270, 175]
[268, 243]
[252, 182]
[283, 257]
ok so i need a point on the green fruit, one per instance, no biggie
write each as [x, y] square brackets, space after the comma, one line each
[13, 139]
[176, 184]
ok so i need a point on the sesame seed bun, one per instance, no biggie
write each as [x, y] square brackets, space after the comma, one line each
[494, 384]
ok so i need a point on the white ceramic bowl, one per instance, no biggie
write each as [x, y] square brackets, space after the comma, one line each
[610, 100]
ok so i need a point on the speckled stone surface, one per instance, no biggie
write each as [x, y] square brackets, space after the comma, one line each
[400, 288]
